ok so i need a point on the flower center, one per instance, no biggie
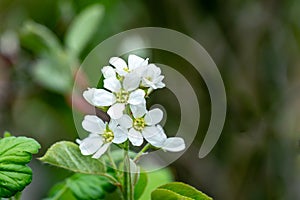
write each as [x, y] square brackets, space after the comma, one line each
[122, 96]
[149, 78]
[108, 136]
[126, 69]
[139, 124]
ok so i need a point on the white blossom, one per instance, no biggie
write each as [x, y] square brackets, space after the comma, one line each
[125, 86]
[118, 96]
[152, 77]
[108, 72]
[144, 124]
[101, 136]
[135, 63]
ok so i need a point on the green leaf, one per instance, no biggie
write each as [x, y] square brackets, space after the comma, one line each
[140, 186]
[15, 153]
[155, 179]
[100, 84]
[54, 73]
[83, 28]
[178, 191]
[88, 187]
[39, 38]
[67, 155]
[81, 186]
[60, 191]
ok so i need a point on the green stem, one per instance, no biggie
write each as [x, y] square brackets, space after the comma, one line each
[128, 187]
[111, 160]
[144, 149]
[114, 166]
[18, 196]
[112, 179]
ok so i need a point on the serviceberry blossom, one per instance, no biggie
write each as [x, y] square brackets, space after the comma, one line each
[118, 96]
[143, 124]
[102, 135]
[122, 89]
[125, 87]
[136, 65]
[152, 77]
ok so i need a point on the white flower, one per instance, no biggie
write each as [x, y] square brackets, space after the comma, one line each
[101, 136]
[118, 97]
[144, 125]
[135, 63]
[108, 72]
[152, 77]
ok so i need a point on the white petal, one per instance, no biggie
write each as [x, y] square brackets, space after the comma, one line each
[154, 116]
[112, 124]
[135, 137]
[137, 97]
[89, 95]
[103, 98]
[93, 124]
[112, 84]
[108, 72]
[138, 110]
[78, 141]
[91, 144]
[154, 70]
[116, 110]
[158, 79]
[120, 135]
[131, 82]
[101, 151]
[119, 64]
[174, 144]
[148, 83]
[160, 85]
[125, 121]
[136, 61]
[154, 136]
[161, 132]
[140, 71]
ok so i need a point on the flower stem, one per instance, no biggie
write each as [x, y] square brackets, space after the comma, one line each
[111, 160]
[128, 187]
[144, 149]
[113, 164]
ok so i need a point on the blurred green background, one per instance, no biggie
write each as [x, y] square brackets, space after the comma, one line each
[255, 44]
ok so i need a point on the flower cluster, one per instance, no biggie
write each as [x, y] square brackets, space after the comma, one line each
[125, 89]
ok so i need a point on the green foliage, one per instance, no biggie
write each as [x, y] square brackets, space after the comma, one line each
[39, 39]
[81, 186]
[82, 28]
[67, 155]
[15, 153]
[140, 186]
[178, 191]
[55, 65]
[155, 179]
[52, 59]
[58, 66]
